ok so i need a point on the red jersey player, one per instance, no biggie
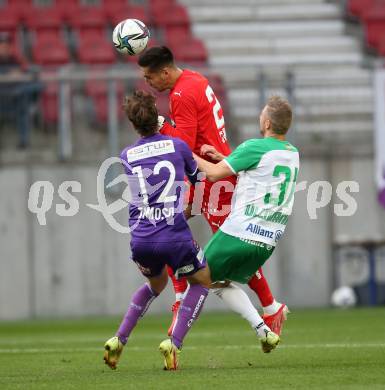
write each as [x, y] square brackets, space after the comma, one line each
[198, 119]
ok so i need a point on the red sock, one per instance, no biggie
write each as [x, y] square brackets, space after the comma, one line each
[180, 285]
[259, 285]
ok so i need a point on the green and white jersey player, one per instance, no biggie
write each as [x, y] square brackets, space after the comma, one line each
[267, 170]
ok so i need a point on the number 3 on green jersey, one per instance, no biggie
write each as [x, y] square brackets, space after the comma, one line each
[287, 185]
[263, 199]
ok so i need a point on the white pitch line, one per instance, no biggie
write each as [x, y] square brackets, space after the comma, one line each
[148, 335]
[256, 346]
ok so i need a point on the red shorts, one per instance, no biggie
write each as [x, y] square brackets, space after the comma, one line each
[213, 200]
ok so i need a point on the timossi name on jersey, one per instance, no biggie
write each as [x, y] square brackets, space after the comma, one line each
[263, 199]
[156, 167]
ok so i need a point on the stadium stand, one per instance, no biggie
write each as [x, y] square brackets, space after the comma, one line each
[357, 8]
[371, 14]
[97, 91]
[333, 90]
[49, 34]
[374, 23]
[115, 10]
[162, 101]
[49, 50]
[44, 20]
[307, 39]
[49, 104]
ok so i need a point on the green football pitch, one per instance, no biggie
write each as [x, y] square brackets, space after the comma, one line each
[320, 349]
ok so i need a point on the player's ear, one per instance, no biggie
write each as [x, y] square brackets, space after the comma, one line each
[167, 70]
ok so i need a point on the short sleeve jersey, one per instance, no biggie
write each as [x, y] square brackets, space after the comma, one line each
[197, 113]
[198, 118]
[263, 198]
[156, 167]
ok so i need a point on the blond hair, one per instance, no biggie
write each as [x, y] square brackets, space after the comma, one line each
[279, 113]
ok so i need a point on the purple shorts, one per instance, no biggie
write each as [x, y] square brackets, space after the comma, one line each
[184, 257]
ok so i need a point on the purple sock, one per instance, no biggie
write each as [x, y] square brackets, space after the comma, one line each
[140, 302]
[188, 312]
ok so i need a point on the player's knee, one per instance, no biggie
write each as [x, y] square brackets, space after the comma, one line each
[220, 286]
[159, 283]
[201, 277]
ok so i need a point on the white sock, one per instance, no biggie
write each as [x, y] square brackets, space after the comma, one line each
[179, 296]
[272, 309]
[238, 301]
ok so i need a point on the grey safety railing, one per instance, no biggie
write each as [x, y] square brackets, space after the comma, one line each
[289, 85]
[69, 74]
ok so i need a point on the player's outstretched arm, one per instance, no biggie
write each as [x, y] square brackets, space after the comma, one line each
[214, 172]
[211, 152]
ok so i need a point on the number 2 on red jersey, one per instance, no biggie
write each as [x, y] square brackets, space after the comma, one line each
[218, 116]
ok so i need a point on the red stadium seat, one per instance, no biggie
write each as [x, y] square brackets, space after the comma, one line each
[89, 19]
[117, 13]
[175, 18]
[156, 5]
[134, 59]
[381, 47]
[217, 84]
[19, 8]
[49, 102]
[162, 98]
[374, 26]
[48, 19]
[100, 51]
[41, 35]
[9, 20]
[15, 51]
[93, 34]
[173, 39]
[21, 3]
[70, 3]
[359, 7]
[97, 90]
[50, 52]
[192, 51]
[67, 9]
[9, 28]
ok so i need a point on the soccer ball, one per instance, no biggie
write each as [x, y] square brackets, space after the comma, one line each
[344, 297]
[130, 36]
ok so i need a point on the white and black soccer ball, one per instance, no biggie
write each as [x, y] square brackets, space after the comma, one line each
[344, 297]
[130, 36]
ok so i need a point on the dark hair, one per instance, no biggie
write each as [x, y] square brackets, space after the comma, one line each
[155, 58]
[141, 111]
[5, 36]
[280, 114]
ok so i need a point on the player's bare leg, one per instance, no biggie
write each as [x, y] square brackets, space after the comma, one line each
[275, 313]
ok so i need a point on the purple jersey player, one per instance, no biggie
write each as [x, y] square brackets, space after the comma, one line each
[156, 166]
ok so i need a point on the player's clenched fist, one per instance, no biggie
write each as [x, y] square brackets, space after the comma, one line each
[211, 152]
